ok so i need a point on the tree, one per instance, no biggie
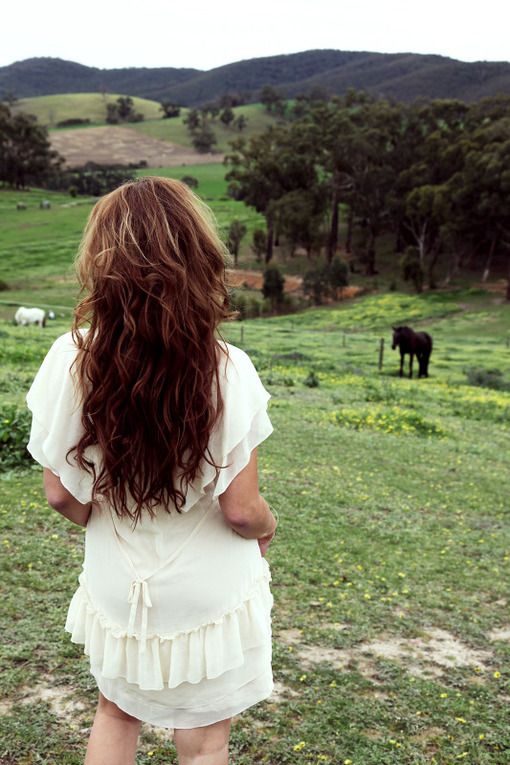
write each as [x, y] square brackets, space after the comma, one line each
[203, 139]
[227, 116]
[273, 285]
[315, 285]
[259, 243]
[192, 120]
[412, 270]
[112, 114]
[169, 109]
[240, 123]
[272, 100]
[25, 152]
[236, 232]
[337, 276]
[269, 166]
[122, 111]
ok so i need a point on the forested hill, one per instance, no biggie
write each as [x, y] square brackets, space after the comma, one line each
[402, 76]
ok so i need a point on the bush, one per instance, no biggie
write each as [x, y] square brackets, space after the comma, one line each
[73, 121]
[412, 270]
[3, 286]
[190, 181]
[486, 378]
[312, 381]
[14, 435]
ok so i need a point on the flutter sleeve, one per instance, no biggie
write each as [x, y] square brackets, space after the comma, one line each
[244, 423]
[56, 418]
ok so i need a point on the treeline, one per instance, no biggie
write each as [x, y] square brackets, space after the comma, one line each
[26, 155]
[26, 158]
[434, 174]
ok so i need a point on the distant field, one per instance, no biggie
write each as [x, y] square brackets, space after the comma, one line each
[37, 247]
[52, 109]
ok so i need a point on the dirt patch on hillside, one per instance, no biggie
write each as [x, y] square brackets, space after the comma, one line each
[121, 145]
[254, 280]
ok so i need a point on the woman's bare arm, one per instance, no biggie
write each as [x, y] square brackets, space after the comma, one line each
[243, 508]
[63, 502]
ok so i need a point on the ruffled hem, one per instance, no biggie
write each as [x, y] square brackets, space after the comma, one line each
[205, 652]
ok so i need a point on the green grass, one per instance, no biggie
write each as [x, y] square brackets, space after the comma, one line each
[38, 247]
[393, 500]
[175, 131]
[52, 109]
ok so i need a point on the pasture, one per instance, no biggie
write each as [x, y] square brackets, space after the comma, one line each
[50, 110]
[390, 566]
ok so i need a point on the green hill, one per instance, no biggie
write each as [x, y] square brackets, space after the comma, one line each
[175, 131]
[52, 109]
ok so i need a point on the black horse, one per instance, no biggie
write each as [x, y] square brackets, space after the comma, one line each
[413, 343]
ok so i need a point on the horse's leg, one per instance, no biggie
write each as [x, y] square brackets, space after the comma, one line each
[401, 363]
[411, 357]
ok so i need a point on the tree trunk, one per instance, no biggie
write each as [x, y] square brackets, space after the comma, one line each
[370, 269]
[488, 262]
[333, 231]
[270, 238]
[350, 224]
[431, 268]
[399, 239]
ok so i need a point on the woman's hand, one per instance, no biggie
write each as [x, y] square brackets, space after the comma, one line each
[264, 543]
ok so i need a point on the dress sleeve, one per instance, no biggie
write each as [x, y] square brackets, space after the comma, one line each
[56, 419]
[244, 423]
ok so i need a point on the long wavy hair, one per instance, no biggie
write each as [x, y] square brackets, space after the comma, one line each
[152, 270]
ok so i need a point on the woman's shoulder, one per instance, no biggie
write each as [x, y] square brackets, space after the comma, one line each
[66, 343]
[235, 363]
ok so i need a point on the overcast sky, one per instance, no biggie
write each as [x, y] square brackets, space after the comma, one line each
[194, 33]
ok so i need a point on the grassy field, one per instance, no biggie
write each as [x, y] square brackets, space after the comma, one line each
[390, 566]
[175, 131]
[37, 247]
[52, 109]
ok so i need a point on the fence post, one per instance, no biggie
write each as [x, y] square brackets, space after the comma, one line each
[381, 353]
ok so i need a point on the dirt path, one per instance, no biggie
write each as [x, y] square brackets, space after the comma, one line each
[121, 145]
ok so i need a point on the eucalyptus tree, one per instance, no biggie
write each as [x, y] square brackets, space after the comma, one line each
[268, 167]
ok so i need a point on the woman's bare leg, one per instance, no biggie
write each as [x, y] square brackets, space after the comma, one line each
[113, 737]
[203, 746]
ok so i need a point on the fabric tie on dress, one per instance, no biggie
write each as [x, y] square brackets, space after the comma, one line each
[139, 586]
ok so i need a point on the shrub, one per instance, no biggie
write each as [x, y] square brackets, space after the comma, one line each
[14, 435]
[190, 181]
[312, 381]
[394, 419]
[486, 378]
[73, 121]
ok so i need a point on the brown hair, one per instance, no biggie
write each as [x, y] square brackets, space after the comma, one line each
[153, 270]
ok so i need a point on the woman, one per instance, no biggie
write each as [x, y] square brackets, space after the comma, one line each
[147, 427]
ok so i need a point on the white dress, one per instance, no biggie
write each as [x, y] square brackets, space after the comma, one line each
[175, 615]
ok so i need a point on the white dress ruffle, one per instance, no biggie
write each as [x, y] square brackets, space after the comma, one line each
[174, 614]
